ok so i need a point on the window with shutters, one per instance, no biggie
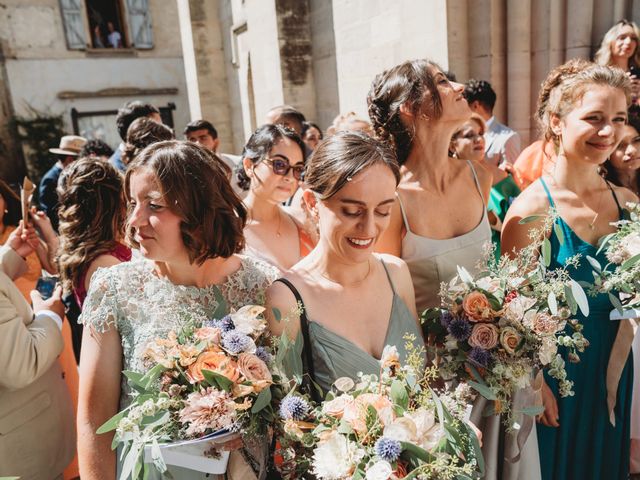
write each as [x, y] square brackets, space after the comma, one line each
[107, 24]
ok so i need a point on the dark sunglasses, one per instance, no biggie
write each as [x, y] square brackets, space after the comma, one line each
[282, 167]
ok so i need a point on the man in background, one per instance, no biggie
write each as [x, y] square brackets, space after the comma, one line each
[126, 115]
[502, 144]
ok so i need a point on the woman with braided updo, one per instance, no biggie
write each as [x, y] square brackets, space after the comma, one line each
[92, 213]
[440, 220]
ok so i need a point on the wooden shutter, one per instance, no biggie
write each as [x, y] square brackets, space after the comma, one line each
[141, 35]
[73, 24]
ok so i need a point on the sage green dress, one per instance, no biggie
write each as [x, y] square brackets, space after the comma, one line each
[334, 356]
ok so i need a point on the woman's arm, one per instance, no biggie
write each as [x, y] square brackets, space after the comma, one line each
[282, 312]
[98, 398]
[49, 243]
[103, 261]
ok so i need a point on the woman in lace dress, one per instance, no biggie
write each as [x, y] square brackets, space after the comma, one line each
[187, 222]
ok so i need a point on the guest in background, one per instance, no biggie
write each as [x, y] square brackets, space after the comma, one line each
[203, 133]
[92, 215]
[502, 144]
[467, 143]
[36, 411]
[96, 148]
[113, 37]
[312, 135]
[623, 166]
[141, 133]
[126, 115]
[66, 153]
[273, 166]
[288, 116]
[619, 48]
[349, 122]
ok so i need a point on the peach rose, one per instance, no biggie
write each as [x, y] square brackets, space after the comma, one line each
[484, 335]
[187, 354]
[209, 334]
[543, 323]
[509, 339]
[254, 370]
[476, 306]
[355, 412]
[216, 362]
[335, 407]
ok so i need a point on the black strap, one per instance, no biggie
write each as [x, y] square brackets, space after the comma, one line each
[615, 197]
[307, 356]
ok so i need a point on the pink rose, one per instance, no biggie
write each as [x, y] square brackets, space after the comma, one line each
[543, 323]
[209, 334]
[254, 370]
[484, 335]
[509, 339]
[476, 305]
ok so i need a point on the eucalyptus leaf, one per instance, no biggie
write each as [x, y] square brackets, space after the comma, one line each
[222, 309]
[112, 423]
[483, 390]
[546, 252]
[615, 301]
[216, 380]
[570, 300]
[262, 401]
[465, 276]
[399, 394]
[604, 241]
[580, 297]
[530, 218]
[595, 264]
[630, 262]
[559, 233]
[276, 314]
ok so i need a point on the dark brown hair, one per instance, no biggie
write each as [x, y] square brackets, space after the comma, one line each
[195, 186]
[406, 83]
[12, 205]
[92, 215]
[341, 157]
[142, 133]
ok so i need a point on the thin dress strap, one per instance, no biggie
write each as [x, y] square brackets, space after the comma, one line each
[475, 178]
[384, 265]
[546, 189]
[615, 198]
[404, 215]
[307, 356]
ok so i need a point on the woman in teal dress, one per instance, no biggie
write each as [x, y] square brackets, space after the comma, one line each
[354, 302]
[582, 110]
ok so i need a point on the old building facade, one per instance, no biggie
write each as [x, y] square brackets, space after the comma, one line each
[321, 55]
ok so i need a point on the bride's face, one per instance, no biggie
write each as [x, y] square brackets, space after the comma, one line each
[156, 227]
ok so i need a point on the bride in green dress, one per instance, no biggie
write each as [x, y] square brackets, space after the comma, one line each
[354, 301]
[583, 110]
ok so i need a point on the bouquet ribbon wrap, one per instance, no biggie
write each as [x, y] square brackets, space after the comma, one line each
[25, 198]
[617, 360]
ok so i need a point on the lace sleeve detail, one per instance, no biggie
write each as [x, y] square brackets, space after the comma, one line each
[100, 310]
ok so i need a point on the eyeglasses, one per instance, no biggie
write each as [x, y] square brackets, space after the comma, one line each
[282, 167]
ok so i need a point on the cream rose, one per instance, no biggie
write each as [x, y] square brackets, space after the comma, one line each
[476, 306]
[509, 339]
[484, 335]
[335, 407]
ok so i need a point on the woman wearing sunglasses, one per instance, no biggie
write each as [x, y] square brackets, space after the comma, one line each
[272, 169]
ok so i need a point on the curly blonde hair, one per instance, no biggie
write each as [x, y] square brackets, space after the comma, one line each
[92, 216]
[603, 55]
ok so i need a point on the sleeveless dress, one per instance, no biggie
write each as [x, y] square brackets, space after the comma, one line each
[432, 262]
[586, 446]
[141, 306]
[333, 356]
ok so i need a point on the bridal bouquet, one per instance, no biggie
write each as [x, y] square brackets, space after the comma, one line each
[203, 381]
[390, 426]
[497, 330]
[622, 273]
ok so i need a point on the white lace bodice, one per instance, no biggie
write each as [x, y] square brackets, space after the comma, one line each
[142, 306]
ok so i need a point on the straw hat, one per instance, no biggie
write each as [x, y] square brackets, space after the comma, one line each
[70, 145]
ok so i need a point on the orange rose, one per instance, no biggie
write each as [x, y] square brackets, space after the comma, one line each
[254, 370]
[216, 362]
[477, 307]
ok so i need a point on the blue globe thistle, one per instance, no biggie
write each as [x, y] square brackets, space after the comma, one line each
[294, 408]
[235, 342]
[264, 355]
[479, 356]
[445, 318]
[388, 449]
[225, 324]
[460, 329]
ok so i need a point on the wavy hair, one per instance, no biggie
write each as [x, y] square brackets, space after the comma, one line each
[603, 55]
[92, 216]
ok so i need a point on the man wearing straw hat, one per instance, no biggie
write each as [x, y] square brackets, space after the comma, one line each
[67, 152]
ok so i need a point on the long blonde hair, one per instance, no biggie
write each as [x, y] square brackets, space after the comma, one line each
[603, 55]
[92, 216]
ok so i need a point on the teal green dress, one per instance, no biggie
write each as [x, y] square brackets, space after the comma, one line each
[501, 197]
[333, 356]
[586, 446]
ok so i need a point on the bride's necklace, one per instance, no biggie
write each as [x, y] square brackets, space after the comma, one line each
[592, 224]
[354, 284]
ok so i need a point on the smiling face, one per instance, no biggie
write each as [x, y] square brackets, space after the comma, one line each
[626, 156]
[468, 142]
[454, 106]
[155, 227]
[625, 44]
[266, 184]
[591, 131]
[353, 219]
